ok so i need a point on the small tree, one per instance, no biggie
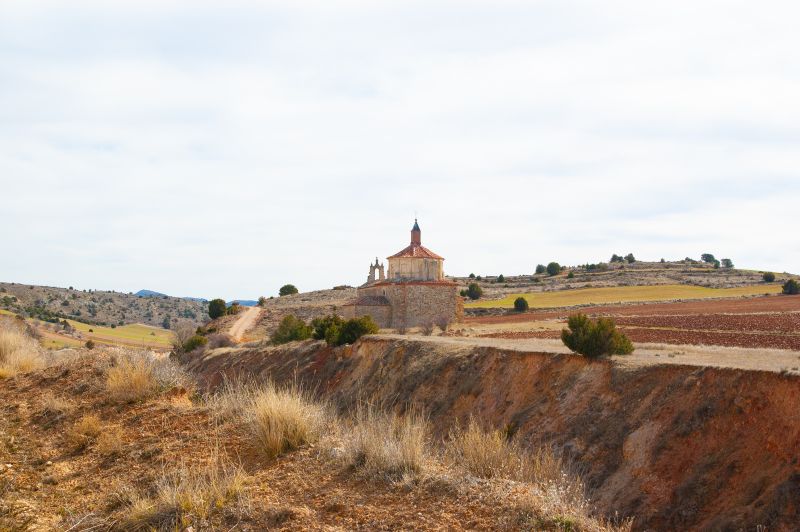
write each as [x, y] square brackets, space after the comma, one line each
[630, 258]
[472, 276]
[594, 339]
[327, 328]
[216, 308]
[571, 275]
[501, 278]
[727, 263]
[474, 291]
[520, 304]
[355, 328]
[791, 287]
[540, 268]
[616, 258]
[768, 277]
[291, 328]
[553, 268]
[166, 322]
[707, 258]
[716, 265]
[287, 290]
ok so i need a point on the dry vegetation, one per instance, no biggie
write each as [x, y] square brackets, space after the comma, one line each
[118, 440]
[19, 353]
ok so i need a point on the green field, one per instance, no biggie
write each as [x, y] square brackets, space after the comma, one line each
[623, 294]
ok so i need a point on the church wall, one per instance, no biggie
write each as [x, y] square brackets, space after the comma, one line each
[421, 269]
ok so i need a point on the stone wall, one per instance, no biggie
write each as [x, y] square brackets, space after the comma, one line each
[415, 304]
[381, 314]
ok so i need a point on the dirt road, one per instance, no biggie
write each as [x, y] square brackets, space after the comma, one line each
[244, 323]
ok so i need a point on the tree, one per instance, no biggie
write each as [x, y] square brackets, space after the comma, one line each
[727, 263]
[594, 339]
[355, 328]
[791, 287]
[262, 301]
[327, 328]
[768, 277]
[216, 308]
[553, 268]
[616, 258]
[540, 268]
[520, 304]
[501, 278]
[287, 290]
[630, 258]
[472, 276]
[716, 265]
[165, 323]
[708, 258]
[474, 291]
[291, 328]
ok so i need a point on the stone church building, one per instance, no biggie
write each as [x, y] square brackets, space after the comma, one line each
[413, 293]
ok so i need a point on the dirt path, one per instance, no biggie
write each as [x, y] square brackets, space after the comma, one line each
[245, 322]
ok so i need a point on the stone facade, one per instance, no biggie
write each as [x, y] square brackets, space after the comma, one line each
[414, 293]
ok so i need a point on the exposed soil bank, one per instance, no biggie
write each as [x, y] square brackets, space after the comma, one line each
[678, 447]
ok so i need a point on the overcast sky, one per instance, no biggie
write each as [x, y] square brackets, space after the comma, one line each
[227, 148]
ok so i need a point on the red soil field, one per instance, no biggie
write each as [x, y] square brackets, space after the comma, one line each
[769, 322]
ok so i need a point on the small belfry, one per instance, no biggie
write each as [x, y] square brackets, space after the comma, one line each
[415, 292]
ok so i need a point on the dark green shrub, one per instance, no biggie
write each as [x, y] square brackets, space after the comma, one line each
[616, 258]
[216, 308]
[287, 290]
[463, 292]
[630, 258]
[472, 276]
[89, 344]
[791, 287]
[540, 268]
[553, 268]
[595, 338]
[501, 278]
[520, 304]
[474, 291]
[354, 329]
[727, 263]
[707, 257]
[716, 265]
[571, 275]
[768, 277]
[291, 328]
[194, 342]
[327, 327]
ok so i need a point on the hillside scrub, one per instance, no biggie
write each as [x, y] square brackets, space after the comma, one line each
[290, 329]
[768, 277]
[520, 304]
[19, 352]
[594, 339]
[287, 290]
[135, 376]
[474, 291]
[791, 287]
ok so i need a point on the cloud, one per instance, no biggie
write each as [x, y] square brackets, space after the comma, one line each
[198, 150]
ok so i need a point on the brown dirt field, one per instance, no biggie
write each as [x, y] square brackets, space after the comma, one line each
[768, 322]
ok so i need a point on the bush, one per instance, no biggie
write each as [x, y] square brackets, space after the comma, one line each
[262, 301]
[472, 276]
[571, 275]
[595, 338]
[768, 277]
[287, 290]
[89, 344]
[791, 287]
[727, 263]
[220, 340]
[520, 304]
[216, 308]
[355, 328]
[84, 431]
[540, 268]
[291, 329]
[630, 258]
[553, 268]
[463, 292]
[327, 328]
[474, 291]
[234, 309]
[194, 342]
[616, 258]
[501, 278]
[706, 257]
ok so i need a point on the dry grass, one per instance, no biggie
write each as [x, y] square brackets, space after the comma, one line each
[186, 496]
[56, 407]
[111, 441]
[19, 353]
[385, 444]
[85, 431]
[136, 376]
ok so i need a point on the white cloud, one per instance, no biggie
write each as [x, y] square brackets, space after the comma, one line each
[198, 150]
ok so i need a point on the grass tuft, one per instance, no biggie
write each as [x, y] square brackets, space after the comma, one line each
[19, 353]
[84, 431]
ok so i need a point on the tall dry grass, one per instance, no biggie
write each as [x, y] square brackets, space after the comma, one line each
[187, 495]
[385, 444]
[19, 353]
[279, 419]
[138, 375]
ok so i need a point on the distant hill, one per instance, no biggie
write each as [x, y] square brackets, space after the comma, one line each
[100, 307]
[244, 302]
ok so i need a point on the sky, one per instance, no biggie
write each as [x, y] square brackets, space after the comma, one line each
[223, 149]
